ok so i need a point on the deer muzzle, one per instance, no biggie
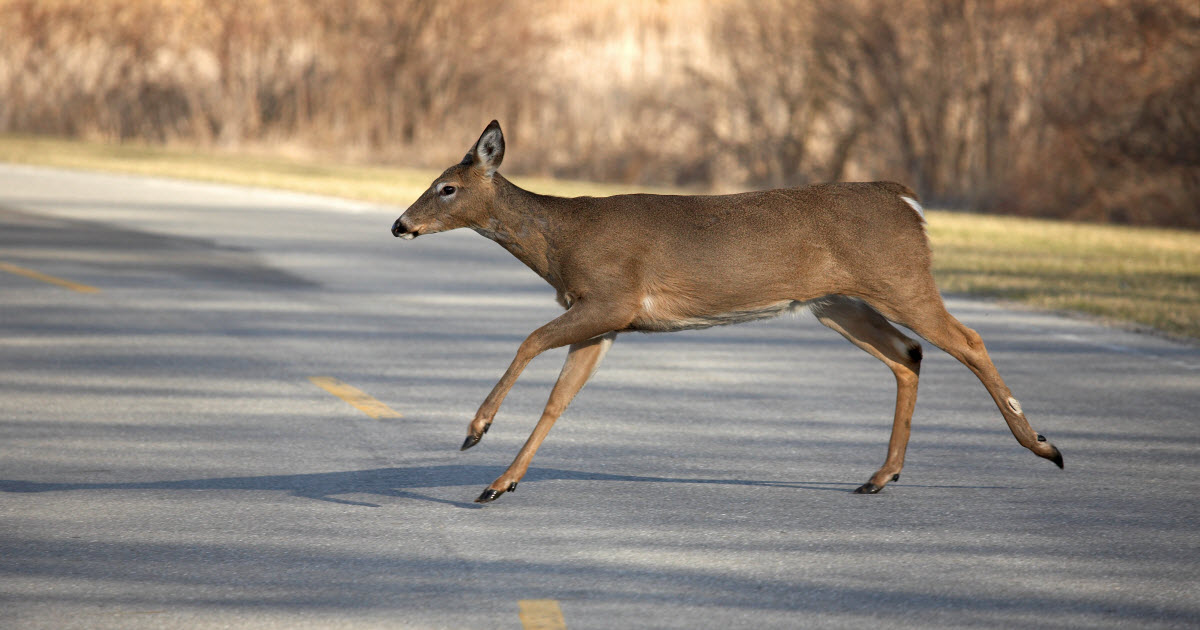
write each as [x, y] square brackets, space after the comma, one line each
[399, 230]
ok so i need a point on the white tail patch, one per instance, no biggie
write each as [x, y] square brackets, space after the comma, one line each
[1014, 404]
[912, 203]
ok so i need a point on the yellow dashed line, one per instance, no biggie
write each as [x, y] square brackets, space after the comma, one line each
[541, 614]
[356, 397]
[37, 275]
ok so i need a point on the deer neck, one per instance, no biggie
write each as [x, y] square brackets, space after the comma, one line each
[524, 223]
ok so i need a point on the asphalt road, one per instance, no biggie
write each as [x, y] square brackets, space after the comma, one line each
[165, 461]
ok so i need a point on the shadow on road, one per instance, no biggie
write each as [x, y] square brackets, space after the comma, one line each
[396, 482]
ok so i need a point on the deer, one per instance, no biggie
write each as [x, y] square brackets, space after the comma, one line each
[855, 254]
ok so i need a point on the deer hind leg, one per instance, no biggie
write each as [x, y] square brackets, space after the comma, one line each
[867, 329]
[582, 360]
[930, 319]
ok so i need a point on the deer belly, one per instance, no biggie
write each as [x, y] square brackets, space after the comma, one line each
[658, 315]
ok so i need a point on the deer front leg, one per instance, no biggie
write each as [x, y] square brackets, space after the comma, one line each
[582, 360]
[581, 322]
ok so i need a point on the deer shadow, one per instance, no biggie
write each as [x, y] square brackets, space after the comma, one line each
[387, 482]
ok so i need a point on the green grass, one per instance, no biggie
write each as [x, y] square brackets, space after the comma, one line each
[1146, 277]
[1142, 276]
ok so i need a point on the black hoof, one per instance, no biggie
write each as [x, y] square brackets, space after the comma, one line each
[868, 488]
[471, 440]
[512, 487]
[1056, 457]
[896, 477]
[488, 496]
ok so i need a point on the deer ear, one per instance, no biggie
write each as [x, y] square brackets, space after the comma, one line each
[488, 152]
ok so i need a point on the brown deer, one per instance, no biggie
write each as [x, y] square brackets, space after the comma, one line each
[856, 254]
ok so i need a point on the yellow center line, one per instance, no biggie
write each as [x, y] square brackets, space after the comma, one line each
[37, 275]
[356, 397]
[541, 614]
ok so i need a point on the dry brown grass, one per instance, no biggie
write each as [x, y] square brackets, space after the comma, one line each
[391, 185]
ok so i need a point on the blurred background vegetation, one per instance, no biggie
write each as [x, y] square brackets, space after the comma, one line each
[1078, 110]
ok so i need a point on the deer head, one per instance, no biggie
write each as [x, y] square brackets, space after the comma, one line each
[462, 196]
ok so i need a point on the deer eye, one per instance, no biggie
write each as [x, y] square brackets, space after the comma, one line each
[446, 191]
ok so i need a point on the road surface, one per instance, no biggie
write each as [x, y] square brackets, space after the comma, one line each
[167, 459]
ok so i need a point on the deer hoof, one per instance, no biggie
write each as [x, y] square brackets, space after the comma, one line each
[1055, 456]
[868, 488]
[489, 495]
[471, 440]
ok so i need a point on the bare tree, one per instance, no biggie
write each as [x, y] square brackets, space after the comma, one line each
[1083, 110]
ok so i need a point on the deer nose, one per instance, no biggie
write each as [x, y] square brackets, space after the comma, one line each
[398, 227]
